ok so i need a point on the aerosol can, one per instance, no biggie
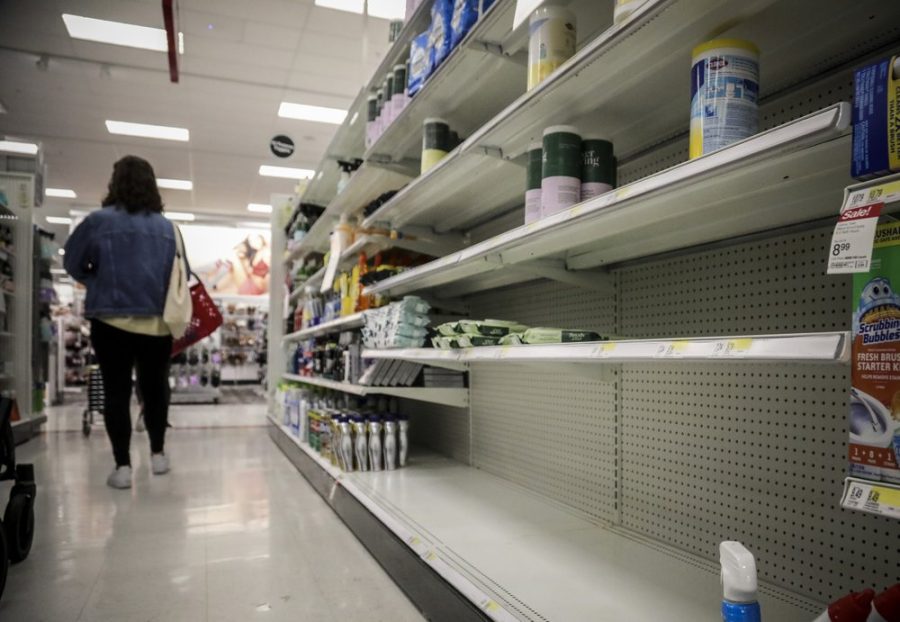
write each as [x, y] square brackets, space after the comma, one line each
[347, 443]
[375, 449]
[361, 443]
[390, 443]
[403, 434]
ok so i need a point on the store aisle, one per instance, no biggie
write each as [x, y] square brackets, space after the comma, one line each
[233, 533]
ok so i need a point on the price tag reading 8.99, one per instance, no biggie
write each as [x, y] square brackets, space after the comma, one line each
[853, 239]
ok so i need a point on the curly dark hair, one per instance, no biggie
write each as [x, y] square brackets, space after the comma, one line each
[132, 187]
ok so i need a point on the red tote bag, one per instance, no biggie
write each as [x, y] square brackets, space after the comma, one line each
[205, 319]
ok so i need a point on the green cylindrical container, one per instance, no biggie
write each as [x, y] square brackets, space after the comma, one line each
[435, 142]
[598, 173]
[394, 29]
[400, 80]
[372, 108]
[389, 86]
[534, 175]
[561, 169]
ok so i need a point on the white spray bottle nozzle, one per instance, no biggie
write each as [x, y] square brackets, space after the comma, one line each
[738, 573]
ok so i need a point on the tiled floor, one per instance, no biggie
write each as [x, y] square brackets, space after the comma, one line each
[232, 533]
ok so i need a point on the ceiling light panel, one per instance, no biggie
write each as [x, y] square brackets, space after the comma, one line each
[143, 130]
[59, 220]
[285, 172]
[14, 146]
[174, 184]
[184, 216]
[60, 193]
[261, 208]
[116, 33]
[385, 9]
[319, 114]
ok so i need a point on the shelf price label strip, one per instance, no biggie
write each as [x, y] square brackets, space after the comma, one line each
[872, 497]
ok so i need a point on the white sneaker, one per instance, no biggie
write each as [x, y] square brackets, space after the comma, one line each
[159, 463]
[120, 478]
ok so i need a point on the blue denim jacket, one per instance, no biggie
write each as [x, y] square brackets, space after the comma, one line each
[124, 260]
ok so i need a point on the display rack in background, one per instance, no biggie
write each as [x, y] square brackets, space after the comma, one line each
[7, 292]
[46, 255]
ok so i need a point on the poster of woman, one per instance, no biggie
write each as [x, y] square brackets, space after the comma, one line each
[230, 261]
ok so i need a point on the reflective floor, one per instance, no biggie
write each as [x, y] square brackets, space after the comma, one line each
[233, 533]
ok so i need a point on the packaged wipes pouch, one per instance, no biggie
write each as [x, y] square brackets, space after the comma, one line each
[474, 341]
[559, 335]
[490, 328]
[874, 422]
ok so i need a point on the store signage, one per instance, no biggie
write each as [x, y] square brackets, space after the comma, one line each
[853, 238]
[282, 146]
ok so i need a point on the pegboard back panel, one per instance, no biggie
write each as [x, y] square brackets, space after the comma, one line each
[541, 427]
[443, 429]
[547, 431]
[773, 285]
[691, 454]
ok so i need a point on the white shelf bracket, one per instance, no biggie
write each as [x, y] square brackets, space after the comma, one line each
[491, 151]
[426, 240]
[497, 49]
[555, 270]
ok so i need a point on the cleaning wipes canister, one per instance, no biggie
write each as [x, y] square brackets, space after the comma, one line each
[561, 169]
[875, 364]
[598, 173]
[551, 42]
[533, 177]
[435, 142]
[724, 94]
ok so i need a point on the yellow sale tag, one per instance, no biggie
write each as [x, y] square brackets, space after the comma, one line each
[671, 349]
[604, 350]
[886, 496]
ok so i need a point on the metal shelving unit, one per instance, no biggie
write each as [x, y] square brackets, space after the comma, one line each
[347, 322]
[732, 192]
[448, 397]
[625, 488]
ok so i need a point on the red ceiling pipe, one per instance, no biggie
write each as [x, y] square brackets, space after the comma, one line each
[171, 38]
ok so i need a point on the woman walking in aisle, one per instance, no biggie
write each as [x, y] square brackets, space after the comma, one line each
[123, 254]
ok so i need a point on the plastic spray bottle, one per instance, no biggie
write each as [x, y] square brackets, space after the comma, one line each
[390, 443]
[738, 583]
[854, 607]
[375, 447]
[403, 440]
[886, 606]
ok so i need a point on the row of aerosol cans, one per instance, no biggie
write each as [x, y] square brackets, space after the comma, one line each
[357, 442]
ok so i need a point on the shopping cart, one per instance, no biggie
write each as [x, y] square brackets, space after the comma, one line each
[96, 399]
[17, 526]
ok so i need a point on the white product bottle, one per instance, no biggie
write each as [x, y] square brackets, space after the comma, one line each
[362, 444]
[390, 444]
[375, 451]
[346, 443]
[403, 434]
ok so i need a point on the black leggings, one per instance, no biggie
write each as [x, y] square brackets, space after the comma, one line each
[118, 352]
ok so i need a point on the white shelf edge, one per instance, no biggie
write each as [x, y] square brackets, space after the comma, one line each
[812, 129]
[879, 498]
[341, 324]
[447, 396]
[825, 347]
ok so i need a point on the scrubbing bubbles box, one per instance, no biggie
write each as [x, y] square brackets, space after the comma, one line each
[875, 394]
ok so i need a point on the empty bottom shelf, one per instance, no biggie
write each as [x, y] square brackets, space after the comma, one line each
[521, 557]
